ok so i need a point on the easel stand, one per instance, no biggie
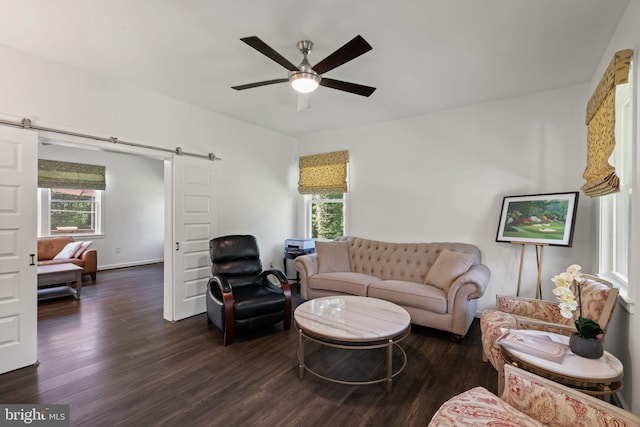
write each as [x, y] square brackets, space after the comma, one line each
[540, 247]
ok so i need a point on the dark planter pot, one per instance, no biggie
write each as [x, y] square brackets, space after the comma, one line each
[591, 348]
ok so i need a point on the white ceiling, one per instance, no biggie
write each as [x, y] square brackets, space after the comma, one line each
[428, 55]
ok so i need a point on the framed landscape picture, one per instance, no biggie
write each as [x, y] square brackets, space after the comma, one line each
[539, 219]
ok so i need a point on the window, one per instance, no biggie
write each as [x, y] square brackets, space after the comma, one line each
[69, 211]
[327, 215]
[69, 197]
[323, 180]
[615, 209]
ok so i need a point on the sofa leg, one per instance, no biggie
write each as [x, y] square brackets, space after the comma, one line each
[93, 276]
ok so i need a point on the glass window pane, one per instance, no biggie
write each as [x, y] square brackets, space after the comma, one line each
[73, 210]
[327, 216]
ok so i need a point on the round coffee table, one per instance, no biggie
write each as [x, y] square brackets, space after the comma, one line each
[596, 377]
[353, 322]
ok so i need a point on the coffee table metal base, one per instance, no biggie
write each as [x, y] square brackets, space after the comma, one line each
[389, 344]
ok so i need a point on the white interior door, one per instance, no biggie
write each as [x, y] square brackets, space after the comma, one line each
[194, 224]
[18, 248]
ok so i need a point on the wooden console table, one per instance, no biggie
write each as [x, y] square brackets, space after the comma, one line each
[63, 275]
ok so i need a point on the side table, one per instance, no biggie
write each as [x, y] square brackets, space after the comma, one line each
[293, 255]
[596, 377]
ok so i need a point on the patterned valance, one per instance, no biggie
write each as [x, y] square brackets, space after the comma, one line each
[600, 176]
[56, 174]
[324, 173]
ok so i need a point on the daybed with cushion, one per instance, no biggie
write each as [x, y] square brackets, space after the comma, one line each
[437, 283]
[527, 401]
[64, 249]
[598, 299]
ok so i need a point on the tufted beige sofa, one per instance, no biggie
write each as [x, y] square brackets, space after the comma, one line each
[398, 272]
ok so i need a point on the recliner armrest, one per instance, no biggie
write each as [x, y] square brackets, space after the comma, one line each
[284, 282]
[221, 282]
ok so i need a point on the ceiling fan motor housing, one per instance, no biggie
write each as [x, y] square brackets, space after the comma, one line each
[312, 79]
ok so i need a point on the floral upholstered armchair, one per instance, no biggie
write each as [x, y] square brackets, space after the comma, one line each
[598, 299]
[527, 401]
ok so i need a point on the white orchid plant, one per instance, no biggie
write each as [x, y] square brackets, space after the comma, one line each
[586, 327]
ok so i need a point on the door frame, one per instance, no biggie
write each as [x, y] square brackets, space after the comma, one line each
[83, 143]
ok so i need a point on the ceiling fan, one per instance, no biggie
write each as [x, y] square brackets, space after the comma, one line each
[306, 78]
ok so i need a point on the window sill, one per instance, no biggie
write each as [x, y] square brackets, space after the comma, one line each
[624, 299]
[77, 236]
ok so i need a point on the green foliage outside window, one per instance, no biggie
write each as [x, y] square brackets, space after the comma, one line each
[73, 208]
[327, 216]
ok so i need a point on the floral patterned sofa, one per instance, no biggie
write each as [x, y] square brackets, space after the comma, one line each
[527, 401]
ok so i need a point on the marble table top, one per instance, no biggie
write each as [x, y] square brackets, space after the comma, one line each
[604, 368]
[352, 318]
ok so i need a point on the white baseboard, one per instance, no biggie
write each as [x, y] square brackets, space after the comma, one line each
[129, 264]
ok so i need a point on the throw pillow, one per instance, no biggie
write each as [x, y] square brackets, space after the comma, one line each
[448, 267]
[333, 257]
[83, 247]
[68, 251]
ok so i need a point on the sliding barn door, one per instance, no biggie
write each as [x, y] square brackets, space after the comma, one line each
[18, 248]
[194, 224]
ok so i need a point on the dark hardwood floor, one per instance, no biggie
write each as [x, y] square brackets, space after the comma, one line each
[116, 362]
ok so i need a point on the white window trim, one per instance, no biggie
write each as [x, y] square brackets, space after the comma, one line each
[44, 216]
[307, 214]
[607, 206]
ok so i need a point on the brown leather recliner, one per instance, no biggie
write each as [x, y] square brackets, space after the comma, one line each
[49, 247]
[240, 295]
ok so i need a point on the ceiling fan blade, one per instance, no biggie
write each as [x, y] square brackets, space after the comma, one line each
[269, 52]
[304, 101]
[351, 50]
[347, 86]
[258, 84]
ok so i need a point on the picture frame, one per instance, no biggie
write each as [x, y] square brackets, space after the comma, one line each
[543, 219]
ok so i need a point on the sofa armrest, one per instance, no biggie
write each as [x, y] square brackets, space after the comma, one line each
[553, 404]
[546, 311]
[90, 261]
[477, 276]
[307, 266]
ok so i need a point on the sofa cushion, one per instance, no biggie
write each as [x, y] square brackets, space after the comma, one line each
[82, 248]
[333, 257]
[409, 294]
[68, 251]
[448, 267]
[76, 261]
[477, 407]
[342, 282]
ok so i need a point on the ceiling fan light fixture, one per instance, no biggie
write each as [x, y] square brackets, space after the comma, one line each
[304, 82]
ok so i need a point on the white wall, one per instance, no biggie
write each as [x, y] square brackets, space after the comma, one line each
[623, 339]
[133, 205]
[255, 191]
[443, 176]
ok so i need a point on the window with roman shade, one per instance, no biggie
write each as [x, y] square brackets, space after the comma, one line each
[600, 175]
[56, 174]
[324, 173]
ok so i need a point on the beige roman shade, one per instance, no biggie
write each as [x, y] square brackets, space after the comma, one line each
[324, 173]
[600, 176]
[56, 174]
